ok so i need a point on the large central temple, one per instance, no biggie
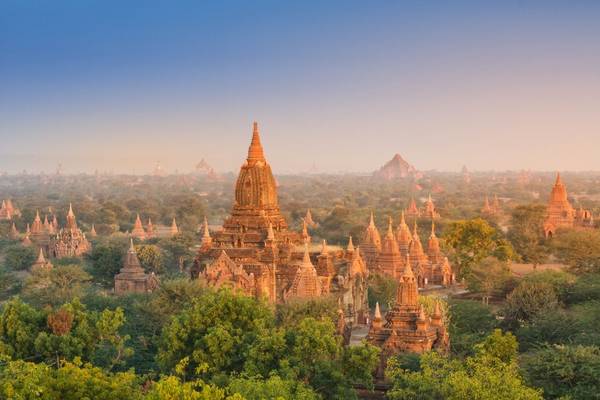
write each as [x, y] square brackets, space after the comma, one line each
[257, 253]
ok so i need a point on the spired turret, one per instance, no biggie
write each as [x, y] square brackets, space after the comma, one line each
[138, 231]
[389, 260]
[132, 278]
[256, 204]
[174, 229]
[41, 262]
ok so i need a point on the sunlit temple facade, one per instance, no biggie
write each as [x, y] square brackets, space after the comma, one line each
[257, 253]
[561, 214]
[400, 248]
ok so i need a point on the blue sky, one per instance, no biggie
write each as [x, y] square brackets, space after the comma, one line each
[343, 85]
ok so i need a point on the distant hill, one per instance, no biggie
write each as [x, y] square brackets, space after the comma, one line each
[396, 168]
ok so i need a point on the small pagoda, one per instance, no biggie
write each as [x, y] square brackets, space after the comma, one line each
[132, 278]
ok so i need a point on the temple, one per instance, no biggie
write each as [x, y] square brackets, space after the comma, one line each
[8, 211]
[407, 327]
[560, 213]
[138, 231]
[490, 208]
[41, 262]
[70, 241]
[256, 252]
[400, 248]
[132, 278]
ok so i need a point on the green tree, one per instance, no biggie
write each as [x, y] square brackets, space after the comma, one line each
[56, 286]
[215, 332]
[528, 300]
[526, 233]
[107, 260]
[18, 257]
[471, 241]
[488, 277]
[491, 374]
[272, 388]
[578, 248]
[382, 290]
[19, 325]
[470, 322]
[150, 257]
[564, 372]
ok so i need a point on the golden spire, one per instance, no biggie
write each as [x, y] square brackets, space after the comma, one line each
[71, 213]
[350, 247]
[402, 220]
[372, 221]
[558, 180]
[390, 231]
[432, 229]
[255, 151]
[324, 250]
[306, 257]
[377, 311]
[131, 246]
[206, 232]
[174, 228]
[41, 260]
[270, 233]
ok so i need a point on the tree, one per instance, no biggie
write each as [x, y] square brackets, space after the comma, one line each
[215, 333]
[18, 257]
[273, 388]
[578, 248]
[69, 381]
[107, 260]
[470, 322]
[491, 374]
[564, 371]
[56, 286]
[526, 233]
[528, 300]
[150, 257]
[488, 277]
[471, 241]
[291, 313]
[172, 388]
[19, 326]
[382, 290]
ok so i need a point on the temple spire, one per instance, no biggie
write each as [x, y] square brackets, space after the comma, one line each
[377, 311]
[255, 151]
[324, 250]
[432, 228]
[372, 221]
[350, 247]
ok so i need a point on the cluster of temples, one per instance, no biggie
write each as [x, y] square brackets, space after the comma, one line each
[150, 231]
[428, 210]
[406, 326]
[491, 207]
[257, 253]
[561, 214]
[56, 242]
[400, 248]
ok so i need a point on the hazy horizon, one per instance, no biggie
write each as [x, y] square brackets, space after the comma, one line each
[341, 86]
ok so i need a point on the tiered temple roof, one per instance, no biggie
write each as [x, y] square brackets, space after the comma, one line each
[70, 241]
[407, 328]
[560, 213]
[132, 278]
[257, 252]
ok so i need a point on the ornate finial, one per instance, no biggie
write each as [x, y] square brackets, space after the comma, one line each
[255, 151]
[270, 233]
[402, 221]
[206, 232]
[372, 221]
[306, 258]
[350, 247]
[432, 228]
[131, 246]
[377, 311]
[390, 231]
[41, 259]
[71, 213]
[324, 250]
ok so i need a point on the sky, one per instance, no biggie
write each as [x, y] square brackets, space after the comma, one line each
[335, 85]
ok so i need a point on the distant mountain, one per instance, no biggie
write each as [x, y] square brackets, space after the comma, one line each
[396, 168]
